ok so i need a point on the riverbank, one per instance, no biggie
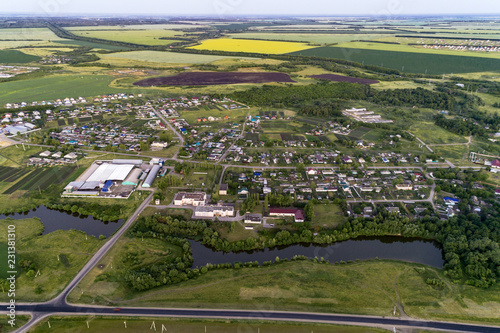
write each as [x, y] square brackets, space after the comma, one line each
[47, 262]
[374, 287]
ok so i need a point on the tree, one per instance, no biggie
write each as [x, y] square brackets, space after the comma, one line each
[165, 136]
[301, 167]
[144, 146]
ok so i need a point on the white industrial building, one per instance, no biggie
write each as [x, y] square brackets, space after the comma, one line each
[107, 171]
[214, 211]
[193, 199]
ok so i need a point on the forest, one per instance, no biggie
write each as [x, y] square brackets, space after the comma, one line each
[326, 99]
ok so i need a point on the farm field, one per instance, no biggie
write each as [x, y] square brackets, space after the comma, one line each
[251, 46]
[185, 325]
[144, 37]
[407, 61]
[213, 78]
[413, 49]
[16, 57]
[57, 255]
[16, 37]
[315, 38]
[41, 178]
[57, 86]
[168, 57]
[139, 27]
[71, 42]
[344, 289]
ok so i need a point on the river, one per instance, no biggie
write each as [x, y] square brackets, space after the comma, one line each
[412, 250]
[54, 219]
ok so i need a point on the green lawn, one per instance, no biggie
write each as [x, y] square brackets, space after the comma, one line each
[328, 216]
[58, 256]
[5, 327]
[185, 325]
[306, 286]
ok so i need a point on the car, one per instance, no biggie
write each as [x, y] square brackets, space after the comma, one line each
[117, 309]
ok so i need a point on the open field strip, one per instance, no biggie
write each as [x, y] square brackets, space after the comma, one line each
[139, 27]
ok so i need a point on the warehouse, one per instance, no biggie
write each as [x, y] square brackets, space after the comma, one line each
[108, 171]
[133, 177]
[151, 176]
[107, 179]
[125, 161]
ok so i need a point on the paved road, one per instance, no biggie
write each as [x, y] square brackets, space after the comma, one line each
[43, 309]
[167, 123]
[61, 298]
[232, 144]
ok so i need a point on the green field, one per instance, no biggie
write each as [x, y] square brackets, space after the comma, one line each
[137, 27]
[413, 62]
[404, 47]
[306, 286]
[5, 326]
[185, 325]
[315, 38]
[41, 178]
[328, 216]
[89, 44]
[60, 86]
[168, 57]
[433, 134]
[144, 37]
[16, 57]
[16, 37]
[58, 256]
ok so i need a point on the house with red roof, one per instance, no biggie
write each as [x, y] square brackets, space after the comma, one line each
[297, 214]
[495, 164]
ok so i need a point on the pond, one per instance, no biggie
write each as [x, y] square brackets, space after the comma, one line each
[412, 250]
[54, 219]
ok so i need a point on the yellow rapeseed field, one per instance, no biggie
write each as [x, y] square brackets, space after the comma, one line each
[250, 45]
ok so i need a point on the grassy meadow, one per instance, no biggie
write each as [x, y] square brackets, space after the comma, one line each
[306, 286]
[185, 325]
[56, 256]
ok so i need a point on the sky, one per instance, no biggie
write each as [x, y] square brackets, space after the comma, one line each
[223, 8]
